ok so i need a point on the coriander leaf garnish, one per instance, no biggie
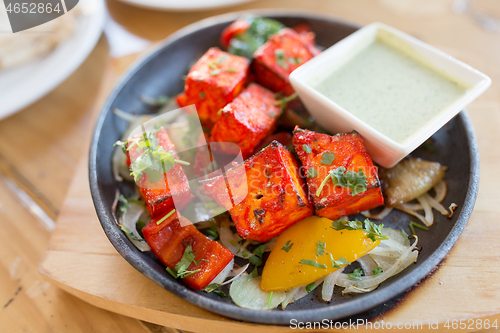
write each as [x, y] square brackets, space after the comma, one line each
[356, 274]
[418, 225]
[310, 287]
[213, 288]
[311, 173]
[279, 55]
[377, 271]
[254, 273]
[284, 100]
[153, 160]
[327, 158]
[338, 263]
[270, 299]
[231, 70]
[312, 263]
[124, 203]
[320, 248]
[202, 94]
[165, 217]
[295, 61]
[287, 246]
[181, 268]
[215, 72]
[356, 181]
[373, 231]
[307, 149]
[404, 233]
[220, 293]
[256, 259]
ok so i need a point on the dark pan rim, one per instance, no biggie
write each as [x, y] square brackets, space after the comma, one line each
[330, 311]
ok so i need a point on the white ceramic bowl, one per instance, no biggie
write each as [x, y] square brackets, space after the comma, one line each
[383, 150]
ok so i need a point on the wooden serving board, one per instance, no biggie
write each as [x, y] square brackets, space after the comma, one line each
[82, 261]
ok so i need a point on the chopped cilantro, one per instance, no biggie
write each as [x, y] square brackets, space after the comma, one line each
[312, 263]
[338, 263]
[418, 225]
[356, 181]
[256, 259]
[311, 173]
[310, 287]
[279, 55]
[233, 243]
[231, 70]
[220, 293]
[287, 246]
[219, 112]
[306, 149]
[254, 273]
[153, 160]
[295, 60]
[165, 217]
[373, 231]
[181, 268]
[215, 72]
[377, 271]
[327, 158]
[202, 94]
[356, 274]
[270, 299]
[320, 248]
[404, 233]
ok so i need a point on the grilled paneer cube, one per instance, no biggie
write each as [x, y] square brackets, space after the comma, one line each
[170, 238]
[247, 120]
[158, 188]
[264, 196]
[215, 80]
[341, 177]
[281, 55]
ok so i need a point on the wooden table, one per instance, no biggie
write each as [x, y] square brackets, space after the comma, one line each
[41, 147]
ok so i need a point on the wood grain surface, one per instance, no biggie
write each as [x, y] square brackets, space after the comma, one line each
[44, 146]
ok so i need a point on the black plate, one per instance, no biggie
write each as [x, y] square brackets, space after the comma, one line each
[160, 73]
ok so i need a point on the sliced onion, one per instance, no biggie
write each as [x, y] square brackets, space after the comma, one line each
[368, 282]
[377, 216]
[440, 188]
[237, 271]
[356, 290]
[219, 279]
[228, 239]
[367, 265]
[270, 244]
[295, 294]
[129, 220]
[411, 212]
[429, 216]
[247, 294]
[435, 204]
[329, 285]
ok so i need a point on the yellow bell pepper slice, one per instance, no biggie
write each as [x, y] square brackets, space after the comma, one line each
[283, 269]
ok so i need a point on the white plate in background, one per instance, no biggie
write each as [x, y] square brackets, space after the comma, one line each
[184, 5]
[21, 86]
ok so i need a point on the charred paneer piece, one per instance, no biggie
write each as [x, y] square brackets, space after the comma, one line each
[264, 196]
[159, 193]
[168, 240]
[279, 56]
[247, 120]
[341, 177]
[215, 80]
